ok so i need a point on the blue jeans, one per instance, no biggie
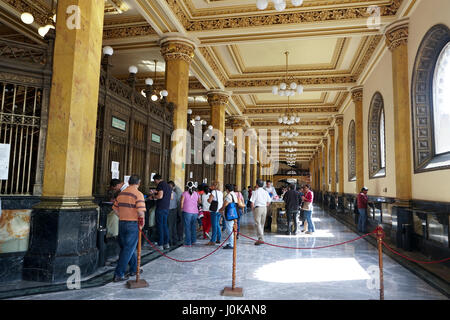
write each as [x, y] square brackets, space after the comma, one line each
[128, 239]
[362, 220]
[240, 213]
[215, 226]
[229, 227]
[190, 228]
[308, 214]
[163, 228]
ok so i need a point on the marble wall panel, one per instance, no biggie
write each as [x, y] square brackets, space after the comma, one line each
[14, 230]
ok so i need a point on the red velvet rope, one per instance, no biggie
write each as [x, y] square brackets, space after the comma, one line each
[417, 261]
[204, 257]
[322, 247]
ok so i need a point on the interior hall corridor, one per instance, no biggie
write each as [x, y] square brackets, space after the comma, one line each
[269, 273]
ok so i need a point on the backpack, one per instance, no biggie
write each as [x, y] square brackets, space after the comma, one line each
[231, 210]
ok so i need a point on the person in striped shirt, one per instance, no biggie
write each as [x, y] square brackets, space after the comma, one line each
[130, 207]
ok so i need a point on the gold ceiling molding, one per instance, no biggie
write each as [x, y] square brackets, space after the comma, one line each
[126, 32]
[278, 18]
[369, 52]
[124, 21]
[242, 9]
[301, 123]
[212, 63]
[304, 81]
[295, 110]
[116, 7]
[332, 65]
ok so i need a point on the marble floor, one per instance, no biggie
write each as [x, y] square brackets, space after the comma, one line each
[345, 272]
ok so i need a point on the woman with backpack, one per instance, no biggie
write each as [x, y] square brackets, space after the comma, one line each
[216, 202]
[190, 200]
[230, 214]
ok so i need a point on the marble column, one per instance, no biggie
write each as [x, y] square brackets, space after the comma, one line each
[238, 125]
[320, 161]
[357, 97]
[218, 100]
[248, 181]
[340, 125]
[178, 52]
[255, 160]
[64, 224]
[397, 42]
[333, 160]
[325, 159]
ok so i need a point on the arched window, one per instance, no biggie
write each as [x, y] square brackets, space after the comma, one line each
[431, 101]
[351, 152]
[377, 143]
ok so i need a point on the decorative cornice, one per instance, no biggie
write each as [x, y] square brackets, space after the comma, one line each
[397, 34]
[236, 122]
[304, 81]
[126, 32]
[296, 17]
[206, 54]
[277, 110]
[21, 6]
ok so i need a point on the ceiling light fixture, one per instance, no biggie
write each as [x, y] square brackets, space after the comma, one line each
[288, 86]
[50, 24]
[289, 118]
[279, 5]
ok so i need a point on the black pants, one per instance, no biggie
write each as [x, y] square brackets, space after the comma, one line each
[292, 216]
[172, 223]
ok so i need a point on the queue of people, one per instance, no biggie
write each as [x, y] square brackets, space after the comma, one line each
[179, 213]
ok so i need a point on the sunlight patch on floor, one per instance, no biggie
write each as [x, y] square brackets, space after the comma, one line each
[312, 270]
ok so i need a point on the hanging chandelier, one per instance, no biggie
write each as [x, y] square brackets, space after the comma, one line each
[279, 5]
[290, 143]
[50, 21]
[291, 150]
[289, 118]
[288, 86]
[289, 134]
[155, 95]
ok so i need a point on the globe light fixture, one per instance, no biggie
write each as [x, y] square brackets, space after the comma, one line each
[133, 69]
[27, 18]
[109, 51]
[149, 81]
[279, 5]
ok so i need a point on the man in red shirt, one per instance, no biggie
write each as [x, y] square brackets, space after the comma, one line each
[362, 200]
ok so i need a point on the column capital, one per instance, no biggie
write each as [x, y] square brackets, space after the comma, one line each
[175, 46]
[339, 119]
[325, 141]
[331, 131]
[397, 33]
[357, 93]
[218, 97]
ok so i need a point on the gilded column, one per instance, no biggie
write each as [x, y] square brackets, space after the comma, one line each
[248, 181]
[320, 158]
[397, 42]
[255, 159]
[357, 97]
[325, 159]
[340, 125]
[218, 100]
[178, 53]
[333, 160]
[238, 125]
[64, 224]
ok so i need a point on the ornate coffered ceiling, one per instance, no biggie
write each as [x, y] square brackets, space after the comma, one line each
[332, 49]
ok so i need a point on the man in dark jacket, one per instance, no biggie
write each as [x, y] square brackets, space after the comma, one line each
[291, 200]
[362, 201]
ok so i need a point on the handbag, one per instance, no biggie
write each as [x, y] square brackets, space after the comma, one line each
[231, 212]
[241, 204]
[214, 205]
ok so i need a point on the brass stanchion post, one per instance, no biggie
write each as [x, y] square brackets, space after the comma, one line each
[233, 291]
[139, 283]
[380, 235]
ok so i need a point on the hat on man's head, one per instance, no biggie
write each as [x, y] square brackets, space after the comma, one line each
[364, 189]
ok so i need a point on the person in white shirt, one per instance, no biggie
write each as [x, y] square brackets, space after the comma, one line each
[260, 200]
[215, 195]
[270, 189]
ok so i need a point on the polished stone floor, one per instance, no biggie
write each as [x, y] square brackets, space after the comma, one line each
[344, 272]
